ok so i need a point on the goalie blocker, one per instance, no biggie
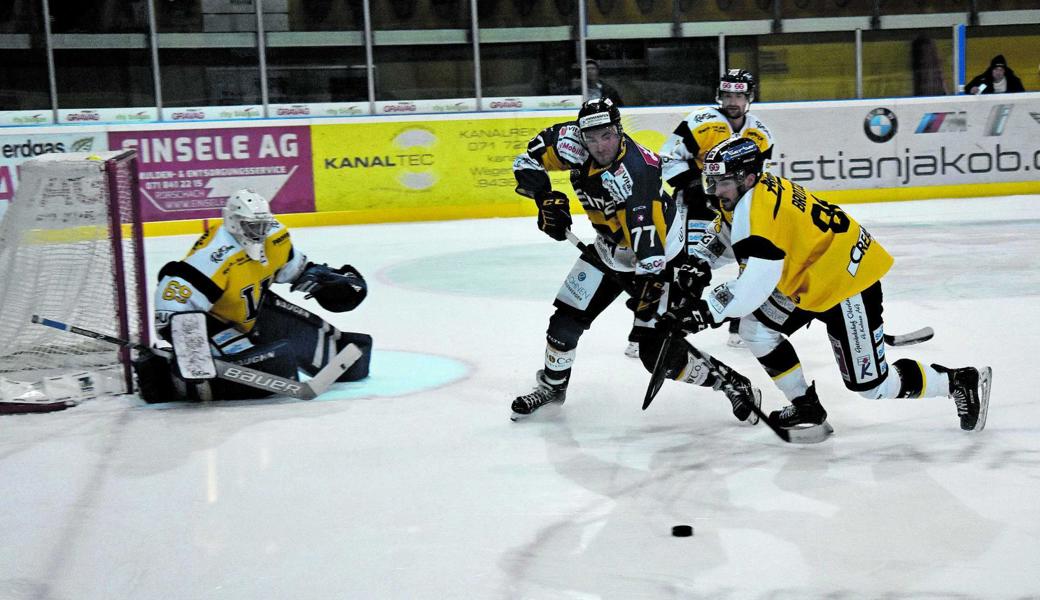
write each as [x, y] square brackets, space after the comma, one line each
[286, 338]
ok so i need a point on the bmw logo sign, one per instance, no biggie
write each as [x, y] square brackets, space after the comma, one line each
[880, 125]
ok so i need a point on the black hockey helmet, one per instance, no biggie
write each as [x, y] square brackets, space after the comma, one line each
[731, 159]
[597, 113]
[738, 81]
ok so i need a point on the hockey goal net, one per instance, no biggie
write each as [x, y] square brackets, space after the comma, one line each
[71, 249]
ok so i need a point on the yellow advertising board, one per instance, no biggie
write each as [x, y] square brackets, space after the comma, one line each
[423, 169]
[435, 169]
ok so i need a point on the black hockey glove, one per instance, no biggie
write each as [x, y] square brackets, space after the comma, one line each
[554, 214]
[336, 290]
[690, 315]
[649, 290]
[692, 277]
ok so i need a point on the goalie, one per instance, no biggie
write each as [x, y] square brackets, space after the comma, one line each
[216, 303]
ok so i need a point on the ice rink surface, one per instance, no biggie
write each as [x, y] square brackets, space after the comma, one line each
[416, 485]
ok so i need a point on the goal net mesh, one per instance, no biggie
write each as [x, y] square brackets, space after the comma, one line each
[71, 250]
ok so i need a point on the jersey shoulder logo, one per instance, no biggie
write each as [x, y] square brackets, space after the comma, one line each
[569, 146]
[649, 157]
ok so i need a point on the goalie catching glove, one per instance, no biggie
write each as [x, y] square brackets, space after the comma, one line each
[554, 214]
[336, 290]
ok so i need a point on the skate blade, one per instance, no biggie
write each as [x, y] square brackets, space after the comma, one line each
[985, 378]
[813, 434]
[550, 409]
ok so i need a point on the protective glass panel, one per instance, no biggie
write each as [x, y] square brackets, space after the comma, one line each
[422, 72]
[530, 69]
[657, 72]
[104, 78]
[789, 67]
[907, 62]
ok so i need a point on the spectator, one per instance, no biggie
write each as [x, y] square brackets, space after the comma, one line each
[998, 79]
[598, 88]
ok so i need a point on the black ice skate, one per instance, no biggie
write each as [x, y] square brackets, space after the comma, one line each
[741, 395]
[804, 412]
[969, 388]
[545, 393]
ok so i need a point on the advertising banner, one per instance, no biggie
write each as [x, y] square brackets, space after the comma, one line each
[406, 164]
[31, 118]
[189, 173]
[910, 142]
[92, 116]
[22, 145]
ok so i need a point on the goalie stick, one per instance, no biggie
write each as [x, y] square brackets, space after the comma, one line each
[808, 435]
[303, 390]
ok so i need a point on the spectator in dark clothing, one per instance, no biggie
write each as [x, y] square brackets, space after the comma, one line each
[598, 88]
[998, 79]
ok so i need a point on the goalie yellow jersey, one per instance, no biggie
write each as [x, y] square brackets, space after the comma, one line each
[827, 255]
[218, 278]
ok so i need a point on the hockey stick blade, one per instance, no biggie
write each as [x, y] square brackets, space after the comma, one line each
[657, 376]
[909, 339]
[227, 371]
[331, 372]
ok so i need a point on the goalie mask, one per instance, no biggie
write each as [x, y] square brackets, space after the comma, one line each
[248, 218]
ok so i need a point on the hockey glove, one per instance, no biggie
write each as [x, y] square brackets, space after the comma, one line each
[554, 214]
[692, 277]
[690, 315]
[336, 290]
[649, 290]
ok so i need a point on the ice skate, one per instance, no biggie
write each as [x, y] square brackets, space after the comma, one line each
[969, 388]
[804, 412]
[544, 393]
[741, 395]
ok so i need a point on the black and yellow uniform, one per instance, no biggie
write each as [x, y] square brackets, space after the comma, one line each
[216, 277]
[633, 216]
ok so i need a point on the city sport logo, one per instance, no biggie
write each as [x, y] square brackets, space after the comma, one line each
[880, 125]
[943, 122]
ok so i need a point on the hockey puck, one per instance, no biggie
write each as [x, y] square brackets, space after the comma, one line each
[682, 531]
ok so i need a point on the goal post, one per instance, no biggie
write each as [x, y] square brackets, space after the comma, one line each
[71, 248]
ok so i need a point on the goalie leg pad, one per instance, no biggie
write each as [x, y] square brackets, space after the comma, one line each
[311, 340]
[276, 358]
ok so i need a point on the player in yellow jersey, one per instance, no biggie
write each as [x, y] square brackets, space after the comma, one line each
[683, 155]
[805, 259]
[226, 278]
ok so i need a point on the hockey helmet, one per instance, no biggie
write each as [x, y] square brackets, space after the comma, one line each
[737, 81]
[597, 113]
[732, 159]
[247, 217]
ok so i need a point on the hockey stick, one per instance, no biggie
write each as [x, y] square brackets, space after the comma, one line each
[811, 435]
[908, 339]
[657, 375]
[303, 390]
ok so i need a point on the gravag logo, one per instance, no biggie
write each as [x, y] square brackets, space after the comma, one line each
[880, 125]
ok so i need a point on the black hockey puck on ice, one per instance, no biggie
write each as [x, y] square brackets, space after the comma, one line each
[682, 531]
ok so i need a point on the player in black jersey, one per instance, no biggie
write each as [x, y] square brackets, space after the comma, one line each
[640, 244]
